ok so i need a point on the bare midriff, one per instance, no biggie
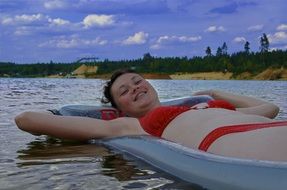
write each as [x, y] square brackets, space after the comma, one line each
[191, 127]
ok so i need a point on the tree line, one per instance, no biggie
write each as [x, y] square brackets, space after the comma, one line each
[221, 61]
[35, 70]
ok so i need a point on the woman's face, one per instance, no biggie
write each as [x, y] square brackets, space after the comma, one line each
[133, 95]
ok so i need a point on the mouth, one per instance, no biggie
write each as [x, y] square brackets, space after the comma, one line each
[139, 95]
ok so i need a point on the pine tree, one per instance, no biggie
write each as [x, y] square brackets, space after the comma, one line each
[147, 56]
[264, 43]
[246, 47]
[224, 49]
[219, 51]
[208, 51]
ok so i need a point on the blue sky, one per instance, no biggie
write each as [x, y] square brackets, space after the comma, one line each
[66, 30]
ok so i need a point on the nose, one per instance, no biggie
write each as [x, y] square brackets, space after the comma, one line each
[135, 88]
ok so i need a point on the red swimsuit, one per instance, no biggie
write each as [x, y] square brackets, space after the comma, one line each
[155, 121]
[158, 119]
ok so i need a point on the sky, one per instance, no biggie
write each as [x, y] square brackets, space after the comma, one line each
[35, 31]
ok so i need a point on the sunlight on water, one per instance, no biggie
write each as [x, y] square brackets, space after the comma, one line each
[28, 162]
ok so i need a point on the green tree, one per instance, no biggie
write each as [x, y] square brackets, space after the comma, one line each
[224, 49]
[147, 56]
[246, 47]
[219, 51]
[264, 43]
[208, 51]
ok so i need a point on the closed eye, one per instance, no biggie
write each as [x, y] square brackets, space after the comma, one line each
[124, 92]
[138, 81]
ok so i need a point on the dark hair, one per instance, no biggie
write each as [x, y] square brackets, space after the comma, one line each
[107, 96]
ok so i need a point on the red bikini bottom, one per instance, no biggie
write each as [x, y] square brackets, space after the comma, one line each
[221, 131]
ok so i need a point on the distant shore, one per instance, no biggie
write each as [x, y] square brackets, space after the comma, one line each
[268, 74]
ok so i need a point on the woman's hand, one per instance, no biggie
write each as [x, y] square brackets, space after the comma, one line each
[244, 104]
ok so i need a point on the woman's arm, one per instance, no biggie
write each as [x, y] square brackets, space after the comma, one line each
[245, 104]
[71, 127]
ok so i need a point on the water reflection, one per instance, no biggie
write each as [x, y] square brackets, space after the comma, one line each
[65, 158]
[55, 151]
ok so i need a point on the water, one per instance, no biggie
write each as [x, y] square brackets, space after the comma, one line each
[29, 162]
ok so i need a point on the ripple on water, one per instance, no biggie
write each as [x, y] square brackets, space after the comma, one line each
[6, 160]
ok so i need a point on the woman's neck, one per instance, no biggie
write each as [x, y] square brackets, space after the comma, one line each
[149, 108]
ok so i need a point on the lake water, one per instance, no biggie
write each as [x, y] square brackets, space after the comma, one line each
[29, 162]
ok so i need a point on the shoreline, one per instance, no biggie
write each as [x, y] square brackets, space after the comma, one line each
[268, 74]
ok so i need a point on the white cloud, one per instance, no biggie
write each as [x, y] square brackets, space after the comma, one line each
[155, 46]
[29, 18]
[33, 19]
[278, 37]
[215, 29]
[23, 19]
[98, 20]
[7, 21]
[54, 4]
[73, 42]
[137, 38]
[22, 31]
[254, 28]
[25, 24]
[67, 43]
[97, 41]
[177, 39]
[174, 40]
[239, 40]
[58, 21]
[282, 27]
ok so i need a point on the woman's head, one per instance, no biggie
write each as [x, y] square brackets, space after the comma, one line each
[108, 98]
[130, 93]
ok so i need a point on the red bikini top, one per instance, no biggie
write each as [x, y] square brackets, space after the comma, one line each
[155, 121]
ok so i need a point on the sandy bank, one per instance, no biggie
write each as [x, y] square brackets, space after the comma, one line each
[268, 74]
[202, 76]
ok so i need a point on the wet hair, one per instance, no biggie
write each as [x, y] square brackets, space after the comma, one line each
[107, 95]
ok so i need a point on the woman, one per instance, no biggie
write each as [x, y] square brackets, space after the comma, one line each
[219, 130]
